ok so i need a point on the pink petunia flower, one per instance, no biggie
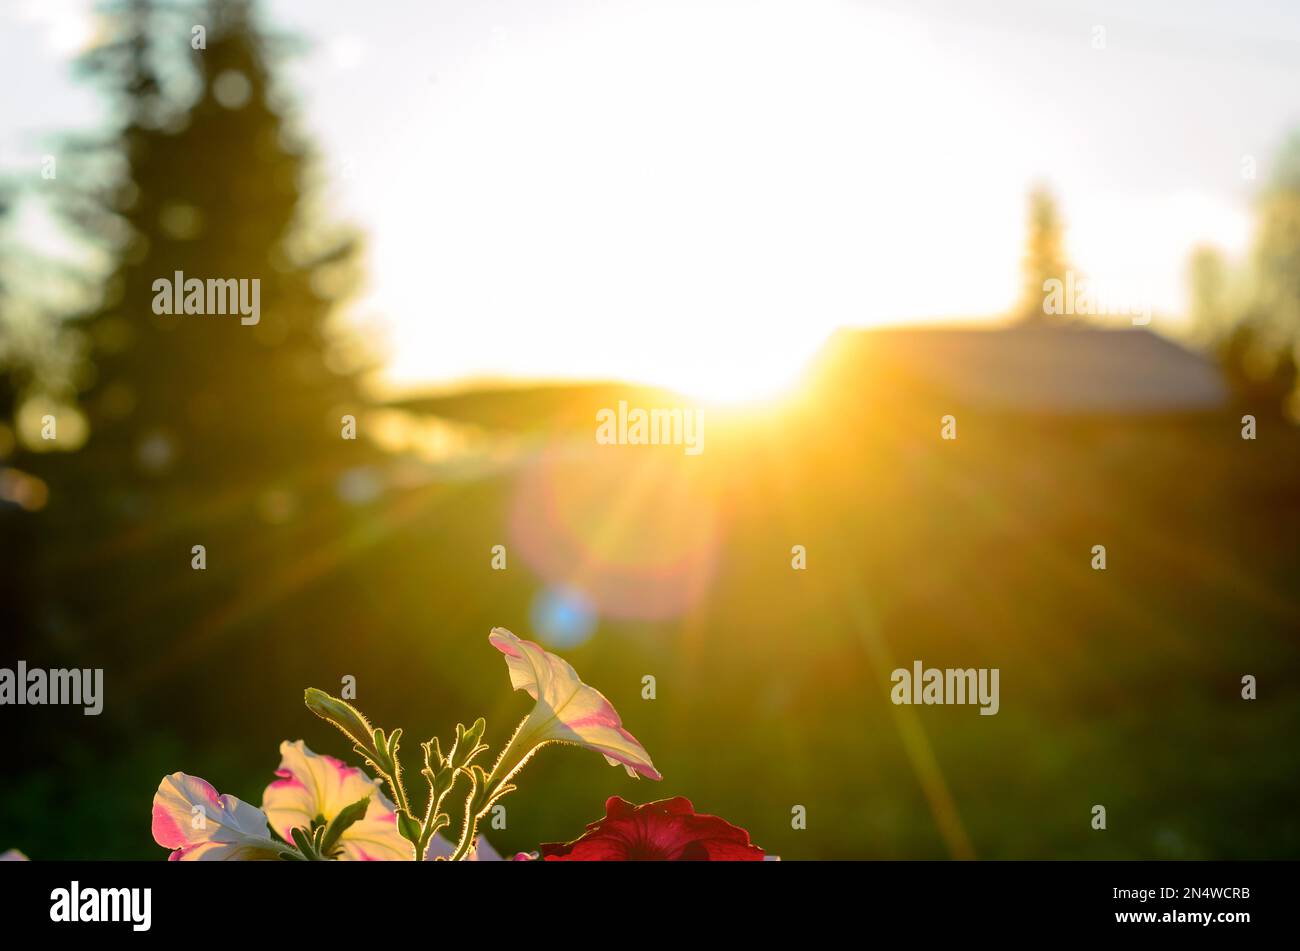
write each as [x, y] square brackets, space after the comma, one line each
[567, 710]
[312, 786]
[198, 824]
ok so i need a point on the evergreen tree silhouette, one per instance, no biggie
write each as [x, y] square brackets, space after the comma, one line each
[202, 430]
[20, 493]
[213, 189]
[1044, 254]
[9, 367]
[1268, 340]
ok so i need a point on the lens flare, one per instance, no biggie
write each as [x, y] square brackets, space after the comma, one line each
[562, 617]
[636, 534]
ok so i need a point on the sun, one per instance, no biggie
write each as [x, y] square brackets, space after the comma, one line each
[734, 381]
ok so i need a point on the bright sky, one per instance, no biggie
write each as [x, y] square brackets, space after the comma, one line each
[696, 193]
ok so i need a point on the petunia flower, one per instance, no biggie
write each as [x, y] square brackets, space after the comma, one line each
[669, 830]
[198, 824]
[567, 710]
[310, 787]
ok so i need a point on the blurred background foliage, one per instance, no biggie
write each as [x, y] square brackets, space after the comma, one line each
[371, 558]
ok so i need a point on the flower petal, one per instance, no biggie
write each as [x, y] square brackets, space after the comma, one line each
[568, 710]
[669, 830]
[310, 785]
[191, 818]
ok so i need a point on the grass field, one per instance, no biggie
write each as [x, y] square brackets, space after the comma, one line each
[1118, 687]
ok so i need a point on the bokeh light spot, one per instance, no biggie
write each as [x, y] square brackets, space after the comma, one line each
[562, 617]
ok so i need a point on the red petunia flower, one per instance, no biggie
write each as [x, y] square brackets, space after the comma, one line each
[665, 831]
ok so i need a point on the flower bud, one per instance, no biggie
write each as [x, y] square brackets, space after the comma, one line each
[344, 716]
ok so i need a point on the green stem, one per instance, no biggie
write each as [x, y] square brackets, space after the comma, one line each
[399, 794]
[507, 766]
[399, 791]
[511, 760]
[499, 773]
[402, 803]
[466, 839]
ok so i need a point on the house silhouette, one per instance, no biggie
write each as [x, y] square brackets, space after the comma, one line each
[1030, 369]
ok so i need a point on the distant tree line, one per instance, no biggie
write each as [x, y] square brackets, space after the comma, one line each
[1248, 312]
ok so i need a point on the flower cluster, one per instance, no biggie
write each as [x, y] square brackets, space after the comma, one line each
[319, 808]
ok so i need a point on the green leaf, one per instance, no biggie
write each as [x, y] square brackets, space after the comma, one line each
[302, 839]
[433, 757]
[340, 823]
[467, 745]
[408, 827]
[380, 756]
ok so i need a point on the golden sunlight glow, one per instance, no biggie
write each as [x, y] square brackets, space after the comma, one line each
[598, 199]
[760, 376]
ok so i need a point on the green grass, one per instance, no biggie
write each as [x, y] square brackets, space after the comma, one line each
[1118, 688]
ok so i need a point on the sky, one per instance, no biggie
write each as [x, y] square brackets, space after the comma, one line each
[697, 193]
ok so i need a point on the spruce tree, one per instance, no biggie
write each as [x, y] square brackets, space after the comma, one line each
[1269, 340]
[1044, 254]
[210, 183]
[202, 430]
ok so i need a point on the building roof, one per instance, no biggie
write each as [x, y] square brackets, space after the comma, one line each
[1049, 369]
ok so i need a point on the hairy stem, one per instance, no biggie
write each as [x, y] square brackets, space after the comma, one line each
[512, 757]
[467, 836]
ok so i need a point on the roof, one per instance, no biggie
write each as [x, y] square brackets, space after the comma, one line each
[1051, 369]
